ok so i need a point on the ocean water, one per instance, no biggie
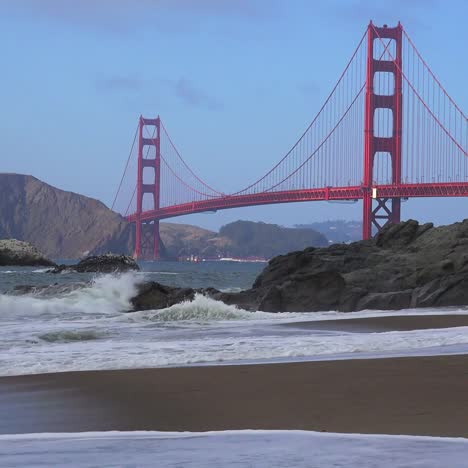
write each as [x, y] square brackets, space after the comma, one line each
[220, 275]
[80, 322]
[79, 316]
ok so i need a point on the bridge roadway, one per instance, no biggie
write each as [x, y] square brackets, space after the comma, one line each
[448, 189]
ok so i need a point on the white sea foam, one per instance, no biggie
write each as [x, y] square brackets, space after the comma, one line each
[231, 290]
[156, 273]
[200, 309]
[108, 294]
[24, 271]
[137, 346]
[48, 334]
[245, 448]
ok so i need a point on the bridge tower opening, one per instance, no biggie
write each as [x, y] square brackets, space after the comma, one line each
[377, 212]
[147, 237]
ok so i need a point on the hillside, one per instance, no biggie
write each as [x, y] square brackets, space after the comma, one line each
[337, 231]
[247, 239]
[61, 224]
[182, 240]
[68, 225]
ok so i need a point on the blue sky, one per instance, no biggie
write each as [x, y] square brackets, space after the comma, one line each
[235, 82]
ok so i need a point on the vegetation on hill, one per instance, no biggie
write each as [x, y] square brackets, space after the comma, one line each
[246, 238]
[337, 231]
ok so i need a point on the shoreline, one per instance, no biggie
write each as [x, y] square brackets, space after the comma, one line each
[385, 323]
[405, 395]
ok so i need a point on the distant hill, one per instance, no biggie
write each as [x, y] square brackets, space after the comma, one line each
[246, 238]
[61, 224]
[68, 225]
[182, 240]
[337, 231]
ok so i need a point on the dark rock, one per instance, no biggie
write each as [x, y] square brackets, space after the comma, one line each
[21, 289]
[386, 300]
[350, 298]
[305, 293]
[450, 290]
[400, 235]
[108, 263]
[405, 265]
[247, 300]
[154, 295]
[272, 301]
[18, 253]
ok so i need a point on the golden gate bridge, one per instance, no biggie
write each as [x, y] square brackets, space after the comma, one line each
[387, 131]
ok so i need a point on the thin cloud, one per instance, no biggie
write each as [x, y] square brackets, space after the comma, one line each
[181, 89]
[130, 15]
[189, 94]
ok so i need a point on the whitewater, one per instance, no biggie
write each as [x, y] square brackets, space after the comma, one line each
[260, 449]
[82, 323]
[73, 322]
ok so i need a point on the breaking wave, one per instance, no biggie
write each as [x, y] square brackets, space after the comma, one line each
[201, 309]
[65, 336]
[107, 294]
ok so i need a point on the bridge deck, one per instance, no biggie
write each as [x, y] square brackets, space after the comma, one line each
[451, 189]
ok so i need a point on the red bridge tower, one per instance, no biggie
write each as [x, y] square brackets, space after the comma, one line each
[147, 232]
[385, 209]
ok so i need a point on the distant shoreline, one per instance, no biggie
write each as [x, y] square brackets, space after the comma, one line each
[196, 259]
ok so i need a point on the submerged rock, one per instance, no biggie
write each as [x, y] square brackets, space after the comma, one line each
[18, 253]
[154, 295]
[108, 263]
[406, 265]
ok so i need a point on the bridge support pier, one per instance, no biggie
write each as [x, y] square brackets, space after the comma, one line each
[377, 212]
[147, 237]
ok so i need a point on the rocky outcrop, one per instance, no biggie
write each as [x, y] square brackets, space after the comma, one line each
[108, 263]
[407, 265]
[18, 253]
[153, 295]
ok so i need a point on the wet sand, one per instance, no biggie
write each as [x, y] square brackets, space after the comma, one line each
[384, 324]
[423, 395]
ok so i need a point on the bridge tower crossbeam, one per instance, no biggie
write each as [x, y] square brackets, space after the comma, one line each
[384, 210]
[147, 237]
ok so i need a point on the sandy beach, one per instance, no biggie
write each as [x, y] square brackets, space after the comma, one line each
[423, 395]
[385, 324]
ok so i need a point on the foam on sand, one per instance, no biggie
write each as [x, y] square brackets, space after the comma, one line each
[246, 448]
